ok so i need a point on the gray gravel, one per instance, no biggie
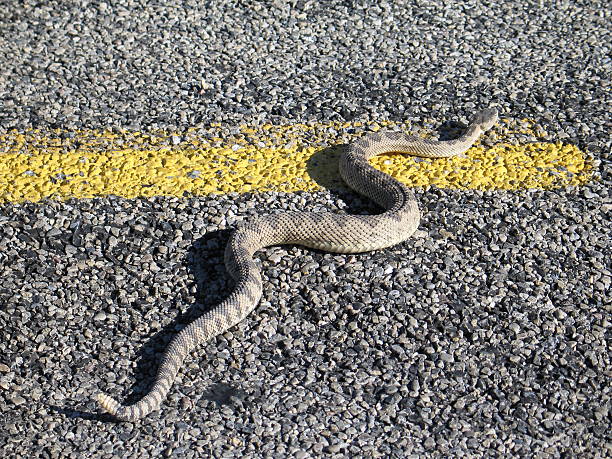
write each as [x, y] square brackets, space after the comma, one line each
[486, 334]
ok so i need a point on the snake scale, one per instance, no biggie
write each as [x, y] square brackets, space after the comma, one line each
[326, 231]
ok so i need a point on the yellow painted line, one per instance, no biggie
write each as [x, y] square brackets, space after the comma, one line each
[36, 165]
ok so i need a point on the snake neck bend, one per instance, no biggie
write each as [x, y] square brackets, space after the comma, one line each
[383, 189]
[325, 231]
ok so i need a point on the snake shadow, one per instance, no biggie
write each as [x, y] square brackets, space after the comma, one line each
[203, 260]
[322, 167]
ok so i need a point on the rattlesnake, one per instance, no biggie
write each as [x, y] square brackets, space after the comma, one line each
[326, 231]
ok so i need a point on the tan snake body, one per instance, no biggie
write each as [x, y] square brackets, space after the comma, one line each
[326, 231]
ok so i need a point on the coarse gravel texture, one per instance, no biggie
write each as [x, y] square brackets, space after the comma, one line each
[485, 334]
[174, 65]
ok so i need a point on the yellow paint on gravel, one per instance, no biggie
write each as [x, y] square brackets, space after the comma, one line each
[83, 164]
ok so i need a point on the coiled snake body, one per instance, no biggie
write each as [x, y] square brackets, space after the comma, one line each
[325, 231]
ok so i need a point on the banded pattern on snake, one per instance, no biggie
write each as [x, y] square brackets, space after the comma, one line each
[326, 231]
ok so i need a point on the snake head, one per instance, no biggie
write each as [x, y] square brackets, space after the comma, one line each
[485, 118]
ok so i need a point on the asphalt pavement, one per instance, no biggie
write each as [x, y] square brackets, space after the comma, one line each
[487, 334]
